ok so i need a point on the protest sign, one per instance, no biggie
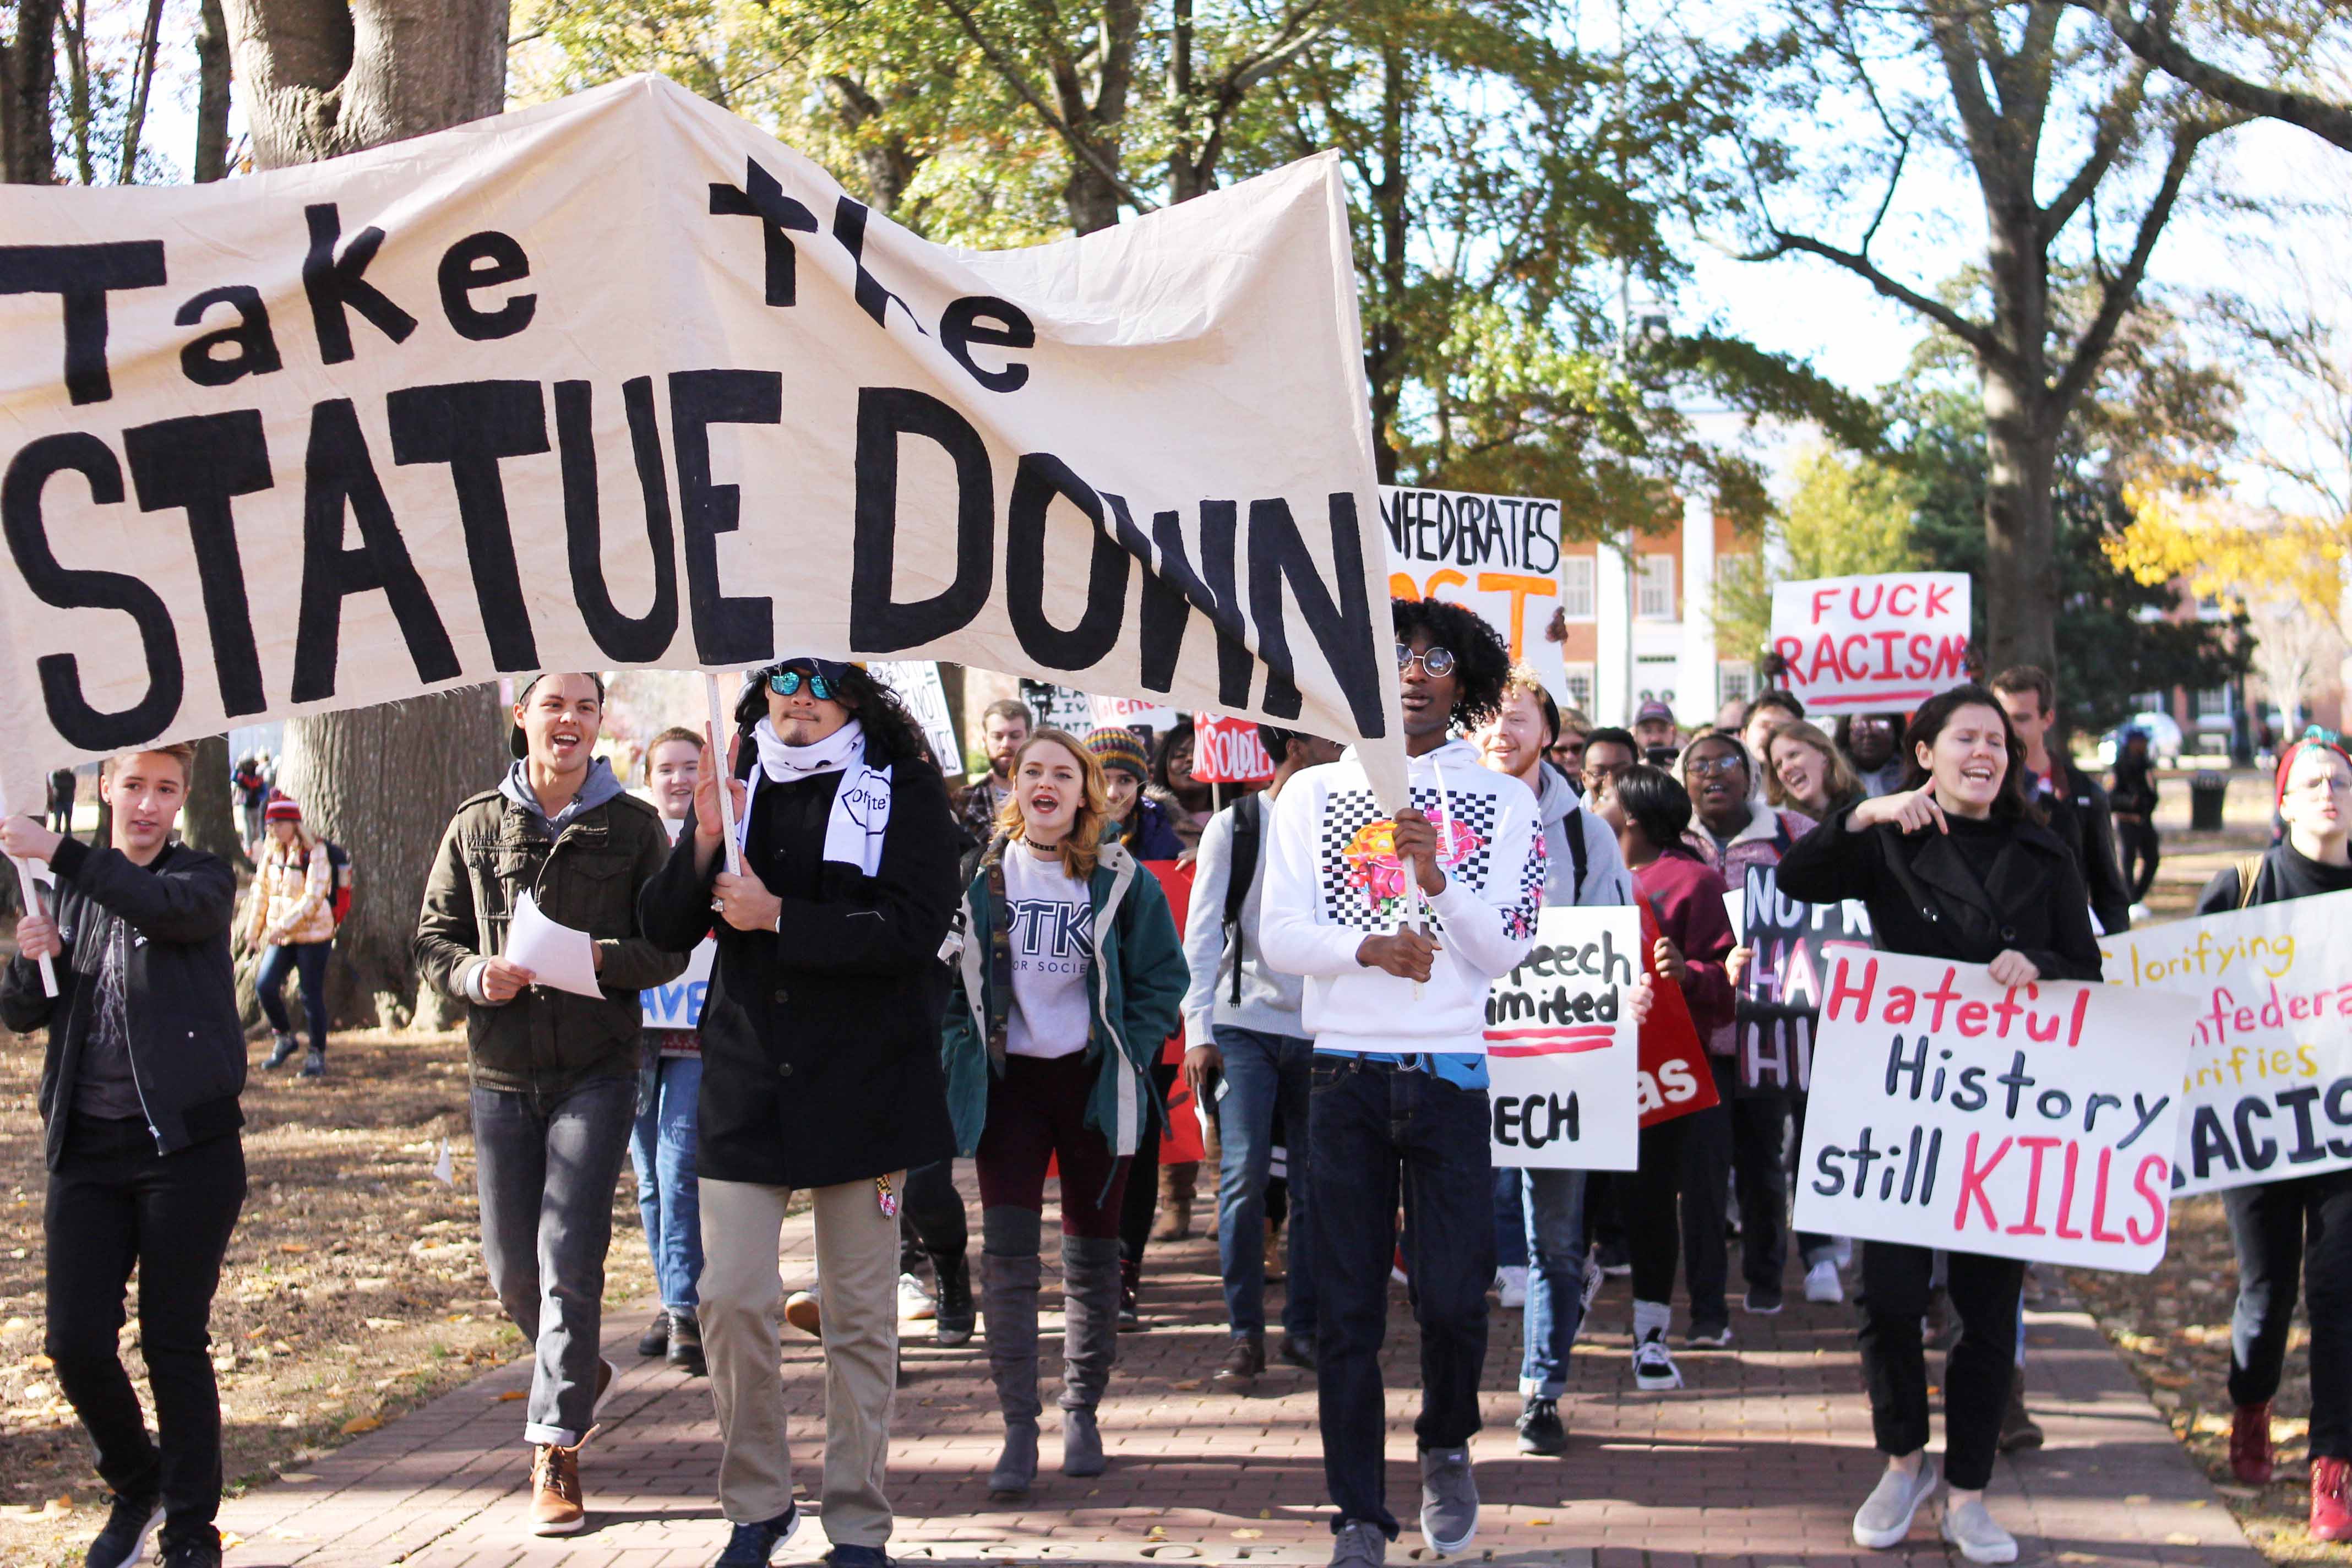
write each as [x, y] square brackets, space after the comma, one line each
[1563, 1052]
[1790, 943]
[678, 1003]
[1496, 556]
[1674, 1079]
[1876, 644]
[2267, 1091]
[622, 381]
[2034, 1121]
[918, 685]
[1059, 707]
[1228, 751]
[1154, 719]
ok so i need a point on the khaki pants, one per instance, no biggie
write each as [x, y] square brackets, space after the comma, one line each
[742, 1295]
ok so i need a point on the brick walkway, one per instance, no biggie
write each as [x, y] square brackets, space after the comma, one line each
[1760, 1461]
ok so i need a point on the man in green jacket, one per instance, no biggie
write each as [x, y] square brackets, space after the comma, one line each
[553, 1072]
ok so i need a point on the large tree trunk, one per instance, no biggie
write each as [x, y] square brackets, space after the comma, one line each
[212, 92]
[383, 782]
[2020, 579]
[211, 821]
[323, 78]
[28, 74]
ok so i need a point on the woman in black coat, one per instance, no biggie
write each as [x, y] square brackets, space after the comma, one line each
[1958, 866]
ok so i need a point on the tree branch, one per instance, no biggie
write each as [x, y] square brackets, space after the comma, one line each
[1978, 338]
[2115, 119]
[2330, 121]
[1079, 147]
[2122, 292]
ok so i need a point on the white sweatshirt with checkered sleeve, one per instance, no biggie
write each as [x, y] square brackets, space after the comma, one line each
[1332, 878]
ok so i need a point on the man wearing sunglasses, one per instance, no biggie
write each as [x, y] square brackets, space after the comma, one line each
[1397, 1101]
[821, 1068]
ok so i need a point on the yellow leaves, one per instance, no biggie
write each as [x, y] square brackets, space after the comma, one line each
[359, 1423]
[2235, 553]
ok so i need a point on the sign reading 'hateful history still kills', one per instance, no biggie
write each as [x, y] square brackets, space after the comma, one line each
[1562, 1049]
[621, 380]
[2032, 1122]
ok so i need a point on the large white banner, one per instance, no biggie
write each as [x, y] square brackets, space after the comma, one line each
[1497, 555]
[1876, 644]
[2267, 1091]
[622, 381]
[1563, 1053]
[2033, 1122]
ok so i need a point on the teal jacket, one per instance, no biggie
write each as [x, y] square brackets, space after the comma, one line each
[1139, 975]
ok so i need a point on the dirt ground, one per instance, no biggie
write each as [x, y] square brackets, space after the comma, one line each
[353, 1290]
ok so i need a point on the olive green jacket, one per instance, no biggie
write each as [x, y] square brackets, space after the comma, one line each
[587, 877]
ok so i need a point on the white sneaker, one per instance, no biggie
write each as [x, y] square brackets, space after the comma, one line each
[1511, 1285]
[1654, 1364]
[915, 1302]
[1885, 1517]
[1971, 1527]
[1844, 1252]
[1822, 1284]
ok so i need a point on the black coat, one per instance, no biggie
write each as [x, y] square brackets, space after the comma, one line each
[821, 1043]
[2086, 822]
[1923, 899]
[187, 1045]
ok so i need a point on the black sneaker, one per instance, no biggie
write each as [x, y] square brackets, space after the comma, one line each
[282, 1050]
[1541, 1431]
[755, 1545]
[1297, 1350]
[130, 1524]
[1762, 1302]
[314, 1063]
[201, 1553]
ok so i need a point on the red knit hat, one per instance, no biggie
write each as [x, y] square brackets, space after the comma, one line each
[281, 808]
[2328, 740]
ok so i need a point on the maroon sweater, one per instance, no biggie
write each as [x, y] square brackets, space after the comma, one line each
[1686, 896]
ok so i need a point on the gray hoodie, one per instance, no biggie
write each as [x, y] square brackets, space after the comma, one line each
[1606, 880]
[598, 787]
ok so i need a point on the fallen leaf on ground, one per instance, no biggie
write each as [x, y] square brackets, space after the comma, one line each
[359, 1423]
[514, 1394]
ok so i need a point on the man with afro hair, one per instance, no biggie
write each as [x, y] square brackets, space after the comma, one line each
[1399, 924]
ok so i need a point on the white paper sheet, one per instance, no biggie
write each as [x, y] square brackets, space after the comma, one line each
[556, 956]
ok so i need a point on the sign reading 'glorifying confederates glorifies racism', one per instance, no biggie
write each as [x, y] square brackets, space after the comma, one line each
[622, 381]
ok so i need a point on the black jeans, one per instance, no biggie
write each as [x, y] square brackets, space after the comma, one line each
[2300, 1225]
[1748, 1158]
[932, 1220]
[1672, 1155]
[1983, 1292]
[114, 1202]
[1378, 1133]
[2137, 841]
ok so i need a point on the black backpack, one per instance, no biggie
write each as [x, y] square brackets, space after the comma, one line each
[1249, 825]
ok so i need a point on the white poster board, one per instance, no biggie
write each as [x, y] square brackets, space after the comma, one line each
[918, 685]
[622, 381]
[1875, 644]
[2267, 1089]
[1497, 555]
[1949, 1112]
[1562, 1049]
[678, 1003]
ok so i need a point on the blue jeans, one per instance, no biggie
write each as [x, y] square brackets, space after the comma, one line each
[1510, 1218]
[661, 1147]
[544, 1169]
[1380, 1132]
[1553, 1218]
[308, 959]
[1262, 1072]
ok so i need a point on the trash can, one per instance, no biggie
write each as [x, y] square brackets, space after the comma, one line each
[2206, 793]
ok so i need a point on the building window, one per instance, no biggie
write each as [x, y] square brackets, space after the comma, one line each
[1576, 586]
[1739, 682]
[1654, 601]
[2213, 702]
[1579, 682]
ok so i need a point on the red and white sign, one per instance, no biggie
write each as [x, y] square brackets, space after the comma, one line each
[1878, 644]
[2034, 1121]
[1128, 713]
[1562, 1049]
[1227, 750]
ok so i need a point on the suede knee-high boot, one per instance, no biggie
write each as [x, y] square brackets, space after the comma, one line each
[1008, 1289]
[1089, 1345]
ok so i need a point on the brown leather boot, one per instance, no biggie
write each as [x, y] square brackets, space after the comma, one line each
[557, 1507]
[1176, 1187]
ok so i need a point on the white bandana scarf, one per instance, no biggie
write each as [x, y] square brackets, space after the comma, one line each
[861, 804]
